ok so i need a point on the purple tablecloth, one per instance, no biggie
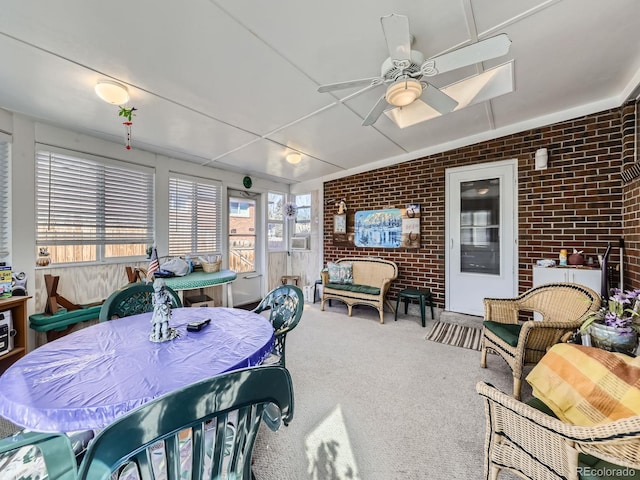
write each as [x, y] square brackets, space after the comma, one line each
[89, 378]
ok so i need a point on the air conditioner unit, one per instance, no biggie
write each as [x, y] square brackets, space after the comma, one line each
[299, 243]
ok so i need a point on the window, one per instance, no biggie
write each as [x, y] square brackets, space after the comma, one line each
[5, 204]
[240, 209]
[275, 222]
[303, 214]
[92, 209]
[194, 216]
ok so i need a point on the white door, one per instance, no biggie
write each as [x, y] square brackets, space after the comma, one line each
[244, 246]
[481, 231]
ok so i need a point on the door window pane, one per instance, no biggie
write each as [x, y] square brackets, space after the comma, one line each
[480, 226]
[242, 235]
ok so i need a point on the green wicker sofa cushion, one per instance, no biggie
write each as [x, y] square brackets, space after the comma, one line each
[354, 288]
[506, 331]
[590, 467]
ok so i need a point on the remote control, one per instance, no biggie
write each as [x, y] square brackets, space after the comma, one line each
[197, 326]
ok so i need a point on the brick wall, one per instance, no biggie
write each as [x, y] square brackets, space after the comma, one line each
[576, 203]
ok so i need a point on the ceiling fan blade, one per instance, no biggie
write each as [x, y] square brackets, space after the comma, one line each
[396, 32]
[478, 52]
[330, 87]
[438, 100]
[375, 112]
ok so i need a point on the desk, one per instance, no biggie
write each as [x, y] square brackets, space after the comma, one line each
[198, 280]
[87, 379]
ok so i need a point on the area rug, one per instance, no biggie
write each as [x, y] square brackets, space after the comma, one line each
[456, 335]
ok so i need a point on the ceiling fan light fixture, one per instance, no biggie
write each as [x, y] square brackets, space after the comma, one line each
[112, 92]
[294, 158]
[403, 92]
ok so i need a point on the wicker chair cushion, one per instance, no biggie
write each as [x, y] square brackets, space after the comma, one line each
[508, 332]
[340, 273]
[355, 288]
[591, 468]
[587, 386]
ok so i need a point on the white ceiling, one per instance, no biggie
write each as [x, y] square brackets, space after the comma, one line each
[233, 84]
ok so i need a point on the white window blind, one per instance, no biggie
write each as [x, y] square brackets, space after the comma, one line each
[194, 216]
[5, 205]
[86, 201]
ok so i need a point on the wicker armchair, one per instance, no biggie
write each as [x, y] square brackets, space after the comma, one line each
[524, 440]
[563, 307]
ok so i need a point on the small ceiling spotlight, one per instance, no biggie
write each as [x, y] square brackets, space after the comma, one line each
[112, 92]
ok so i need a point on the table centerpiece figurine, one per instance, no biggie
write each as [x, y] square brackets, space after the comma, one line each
[160, 329]
[615, 326]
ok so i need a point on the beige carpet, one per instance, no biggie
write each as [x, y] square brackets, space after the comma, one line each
[378, 402]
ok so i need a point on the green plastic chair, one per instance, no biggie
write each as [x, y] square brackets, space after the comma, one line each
[208, 425]
[133, 299]
[27, 447]
[285, 304]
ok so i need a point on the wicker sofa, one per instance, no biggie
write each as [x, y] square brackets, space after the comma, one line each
[371, 280]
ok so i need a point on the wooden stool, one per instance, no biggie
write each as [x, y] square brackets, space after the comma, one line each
[290, 278]
[422, 296]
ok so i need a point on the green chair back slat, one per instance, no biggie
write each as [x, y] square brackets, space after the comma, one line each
[133, 299]
[285, 304]
[56, 451]
[232, 400]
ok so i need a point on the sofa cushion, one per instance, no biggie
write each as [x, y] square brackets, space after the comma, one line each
[586, 385]
[509, 332]
[340, 273]
[354, 288]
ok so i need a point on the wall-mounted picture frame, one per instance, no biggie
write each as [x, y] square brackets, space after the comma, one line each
[411, 226]
[378, 228]
[340, 236]
[339, 224]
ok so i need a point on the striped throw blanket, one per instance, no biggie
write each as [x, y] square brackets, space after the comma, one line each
[586, 385]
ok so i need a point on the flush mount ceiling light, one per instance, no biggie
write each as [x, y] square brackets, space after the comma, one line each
[294, 158]
[403, 92]
[112, 92]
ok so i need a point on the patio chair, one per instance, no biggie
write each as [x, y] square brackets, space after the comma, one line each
[533, 444]
[133, 299]
[563, 307]
[209, 426]
[285, 304]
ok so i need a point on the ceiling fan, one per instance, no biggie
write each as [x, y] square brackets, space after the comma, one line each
[406, 70]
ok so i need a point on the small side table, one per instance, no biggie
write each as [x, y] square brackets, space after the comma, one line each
[290, 278]
[423, 296]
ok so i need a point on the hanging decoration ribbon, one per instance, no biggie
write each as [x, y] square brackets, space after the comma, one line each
[128, 114]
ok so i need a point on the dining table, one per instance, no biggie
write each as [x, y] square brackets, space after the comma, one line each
[89, 378]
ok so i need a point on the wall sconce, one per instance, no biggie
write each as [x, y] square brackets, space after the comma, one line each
[541, 159]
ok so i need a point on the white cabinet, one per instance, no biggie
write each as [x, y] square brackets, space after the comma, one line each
[589, 277]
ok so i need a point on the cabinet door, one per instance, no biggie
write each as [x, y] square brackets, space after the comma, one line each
[588, 278]
[542, 275]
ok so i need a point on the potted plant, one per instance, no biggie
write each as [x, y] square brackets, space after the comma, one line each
[615, 326]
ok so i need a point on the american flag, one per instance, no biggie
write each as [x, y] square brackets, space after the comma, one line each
[154, 265]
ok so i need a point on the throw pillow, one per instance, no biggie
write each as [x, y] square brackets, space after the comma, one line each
[340, 272]
[586, 385]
